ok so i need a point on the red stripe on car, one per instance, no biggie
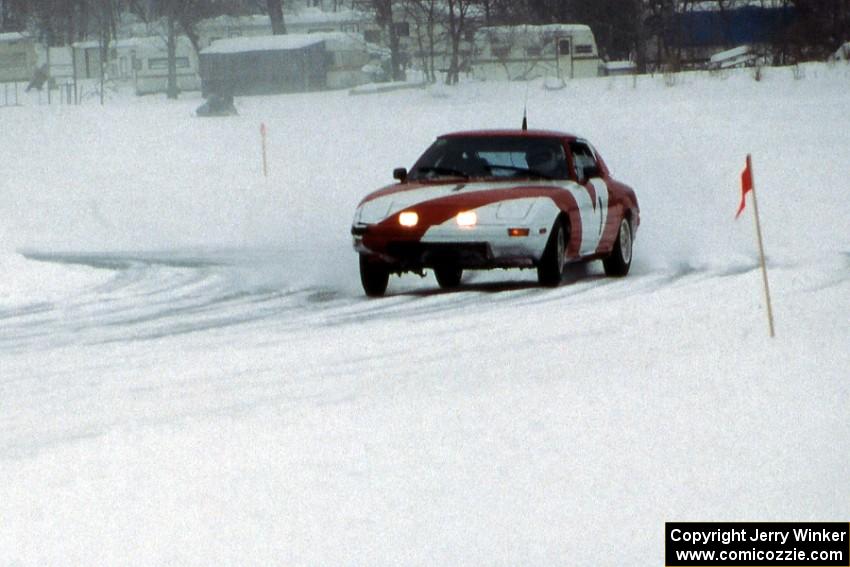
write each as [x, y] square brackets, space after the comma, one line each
[437, 211]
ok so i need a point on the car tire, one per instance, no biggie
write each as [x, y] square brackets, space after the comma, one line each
[550, 269]
[374, 275]
[617, 264]
[448, 276]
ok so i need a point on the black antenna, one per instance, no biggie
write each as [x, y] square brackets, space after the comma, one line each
[525, 110]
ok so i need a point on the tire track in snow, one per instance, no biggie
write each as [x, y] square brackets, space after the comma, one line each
[147, 296]
[156, 295]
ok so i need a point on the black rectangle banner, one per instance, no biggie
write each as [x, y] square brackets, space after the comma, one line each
[757, 544]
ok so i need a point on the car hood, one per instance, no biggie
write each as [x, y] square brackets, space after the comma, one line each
[459, 194]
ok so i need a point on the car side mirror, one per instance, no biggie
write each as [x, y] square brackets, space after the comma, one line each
[400, 173]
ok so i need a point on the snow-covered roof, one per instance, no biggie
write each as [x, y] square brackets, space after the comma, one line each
[284, 42]
[714, 6]
[620, 65]
[262, 43]
[311, 15]
[307, 16]
[154, 41]
[730, 53]
[9, 37]
[543, 31]
[88, 44]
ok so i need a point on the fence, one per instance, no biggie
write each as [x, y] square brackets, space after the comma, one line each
[56, 92]
[9, 94]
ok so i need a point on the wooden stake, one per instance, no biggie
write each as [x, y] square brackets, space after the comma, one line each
[761, 250]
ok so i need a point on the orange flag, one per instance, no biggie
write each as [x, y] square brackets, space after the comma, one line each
[746, 185]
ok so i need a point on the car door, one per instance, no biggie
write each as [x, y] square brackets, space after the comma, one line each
[594, 208]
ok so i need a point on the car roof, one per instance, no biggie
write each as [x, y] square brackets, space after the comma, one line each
[510, 133]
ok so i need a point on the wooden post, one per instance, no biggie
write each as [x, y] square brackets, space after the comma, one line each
[74, 71]
[263, 141]
[558, 55]
[761, 249]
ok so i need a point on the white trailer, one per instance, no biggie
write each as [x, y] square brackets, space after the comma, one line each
[565, 51]
[143, 61]
[17, 57]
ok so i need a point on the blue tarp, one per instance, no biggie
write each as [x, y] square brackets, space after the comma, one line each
[747, 25]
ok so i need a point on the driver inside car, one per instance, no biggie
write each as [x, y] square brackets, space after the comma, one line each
[549, 161]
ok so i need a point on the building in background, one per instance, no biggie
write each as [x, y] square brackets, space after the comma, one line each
[305, 21]
[141, 62]
[18, 60]
[284, 63]
[565, 51]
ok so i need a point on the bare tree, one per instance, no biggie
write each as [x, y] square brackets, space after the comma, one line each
[424, 14]
[384, 11]
[169, 11]
[169, 14]
[275, 8]
[55, 22]
[458, 11]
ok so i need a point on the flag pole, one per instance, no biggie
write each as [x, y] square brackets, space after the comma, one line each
[761, 249]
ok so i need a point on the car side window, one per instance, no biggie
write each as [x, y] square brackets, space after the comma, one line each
[584, 161]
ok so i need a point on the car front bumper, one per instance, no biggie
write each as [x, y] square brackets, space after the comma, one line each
[480, 247]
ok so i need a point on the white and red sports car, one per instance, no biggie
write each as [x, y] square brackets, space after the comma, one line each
[497, 199]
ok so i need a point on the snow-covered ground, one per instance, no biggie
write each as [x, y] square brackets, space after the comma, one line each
[189, 373]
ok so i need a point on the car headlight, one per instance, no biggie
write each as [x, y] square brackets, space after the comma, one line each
[408, 218]
[467, 218]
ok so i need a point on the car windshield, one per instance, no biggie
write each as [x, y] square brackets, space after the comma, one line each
[493, 156]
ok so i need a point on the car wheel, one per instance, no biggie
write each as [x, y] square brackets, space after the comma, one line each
[550, 270]
[617, 264]
[374, 275]
[448, 276]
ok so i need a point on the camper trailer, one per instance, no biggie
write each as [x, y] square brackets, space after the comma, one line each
[565, 51]
[17, 57]
[141, 62]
